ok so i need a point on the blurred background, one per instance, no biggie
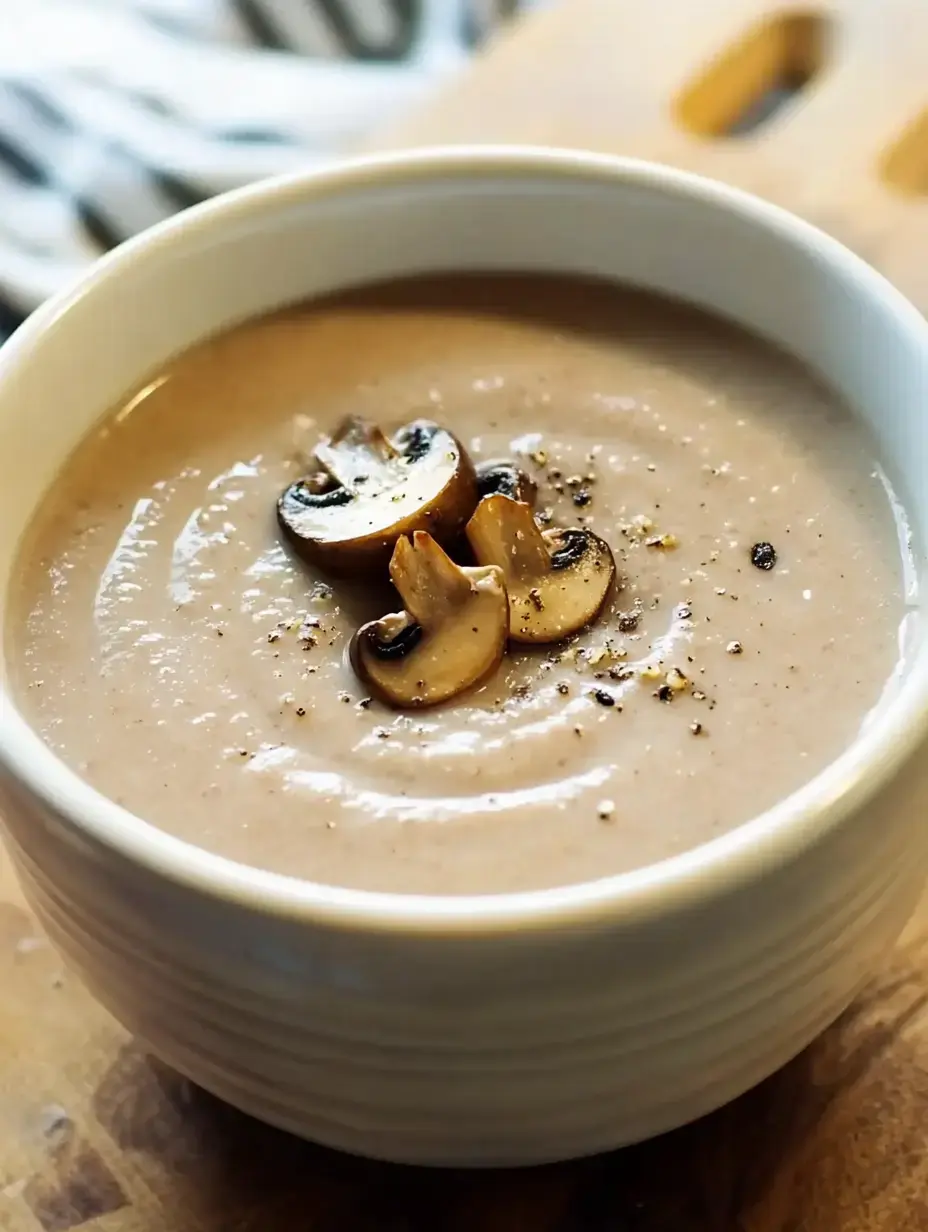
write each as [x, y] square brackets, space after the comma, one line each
[116, 113]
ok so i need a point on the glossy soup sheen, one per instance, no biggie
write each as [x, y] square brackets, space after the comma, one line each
[171, 649]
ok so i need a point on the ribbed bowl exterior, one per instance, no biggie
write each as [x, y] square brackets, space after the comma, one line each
[480, 1050]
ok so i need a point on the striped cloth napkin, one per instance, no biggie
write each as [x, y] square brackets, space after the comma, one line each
[117, 113]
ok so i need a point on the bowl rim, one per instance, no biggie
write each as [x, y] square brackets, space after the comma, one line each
[723, 864]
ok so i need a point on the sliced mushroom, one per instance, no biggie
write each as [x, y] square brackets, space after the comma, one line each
[504, 478]
[451, 634]
[557, 580]
[371, 489]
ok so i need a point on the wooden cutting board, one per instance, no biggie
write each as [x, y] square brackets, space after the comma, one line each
[96, 1135]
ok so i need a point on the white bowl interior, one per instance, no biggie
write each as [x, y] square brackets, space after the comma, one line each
[280, 242]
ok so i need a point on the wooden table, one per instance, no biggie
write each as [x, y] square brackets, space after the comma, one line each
[95, 1134]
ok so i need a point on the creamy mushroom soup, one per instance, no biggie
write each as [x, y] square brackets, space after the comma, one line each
[176, 647]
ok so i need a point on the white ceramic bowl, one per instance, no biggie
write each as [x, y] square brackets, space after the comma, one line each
[482, 1030]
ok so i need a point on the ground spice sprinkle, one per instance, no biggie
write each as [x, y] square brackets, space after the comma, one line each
[763, 556]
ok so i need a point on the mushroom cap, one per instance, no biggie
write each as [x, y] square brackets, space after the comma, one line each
[451, 634]
[370, 490]
[501, 477]
[557, 580]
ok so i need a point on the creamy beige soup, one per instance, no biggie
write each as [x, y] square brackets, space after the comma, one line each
[171, 649]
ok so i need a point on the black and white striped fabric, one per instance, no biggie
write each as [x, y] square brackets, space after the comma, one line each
[117, 113]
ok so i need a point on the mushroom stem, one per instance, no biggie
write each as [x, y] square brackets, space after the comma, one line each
[557, 580]
[506, 533]
[451, 634]
[356, 453]
[427, 578]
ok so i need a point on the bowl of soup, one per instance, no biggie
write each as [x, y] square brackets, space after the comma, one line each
[464, 680]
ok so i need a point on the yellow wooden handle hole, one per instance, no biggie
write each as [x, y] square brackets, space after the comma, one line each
[752, 80]
[904, 167]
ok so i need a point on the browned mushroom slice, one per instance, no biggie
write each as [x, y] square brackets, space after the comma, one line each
[451, 634]
[371, 489]
[557, 580]
[504, 478]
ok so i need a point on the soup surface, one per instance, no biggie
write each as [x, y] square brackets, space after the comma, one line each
[170, 647]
